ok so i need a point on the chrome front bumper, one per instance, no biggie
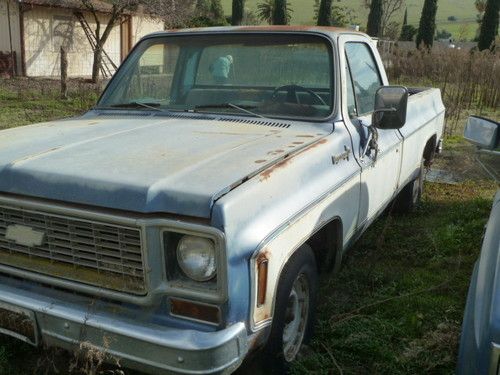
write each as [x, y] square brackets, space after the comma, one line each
[150, 348]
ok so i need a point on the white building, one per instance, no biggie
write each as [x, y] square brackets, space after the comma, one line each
[35, 30]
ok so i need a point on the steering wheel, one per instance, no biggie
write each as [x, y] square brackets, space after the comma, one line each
[291, 93]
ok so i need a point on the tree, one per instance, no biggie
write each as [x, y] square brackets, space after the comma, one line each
[207, 13]
[375, 18]
[389, 9]
[280, 13]
[265, 11]
[407, 31]
[216, 11]
[341, 16]
[443, 34]
[427, 25]
[119, 10]
[489, 26]
[325, 13]
[238, 12]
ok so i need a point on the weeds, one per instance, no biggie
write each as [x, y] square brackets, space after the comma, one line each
[469, 80]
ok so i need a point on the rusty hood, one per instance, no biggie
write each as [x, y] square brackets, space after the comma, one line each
[144, 164]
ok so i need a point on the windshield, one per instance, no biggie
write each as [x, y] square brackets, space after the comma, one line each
[262, 75]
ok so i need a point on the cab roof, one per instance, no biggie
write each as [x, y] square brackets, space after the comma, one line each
[327, 30]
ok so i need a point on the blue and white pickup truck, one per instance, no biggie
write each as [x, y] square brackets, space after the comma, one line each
[181, 224]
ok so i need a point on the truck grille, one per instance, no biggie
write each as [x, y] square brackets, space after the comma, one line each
[100, 254]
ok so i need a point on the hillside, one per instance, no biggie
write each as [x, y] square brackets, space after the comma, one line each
[463, 10]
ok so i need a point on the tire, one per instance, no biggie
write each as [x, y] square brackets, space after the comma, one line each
[293, 319]
[409, 198]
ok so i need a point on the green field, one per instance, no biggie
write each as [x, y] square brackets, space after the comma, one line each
[463, 10]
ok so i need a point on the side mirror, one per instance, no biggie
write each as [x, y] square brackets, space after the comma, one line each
[390, 107]
[482, 132]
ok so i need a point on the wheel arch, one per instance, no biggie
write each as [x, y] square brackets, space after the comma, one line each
[430, 150]
[326, 243]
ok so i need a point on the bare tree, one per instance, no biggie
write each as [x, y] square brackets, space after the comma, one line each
[389, 9]
[172, 12]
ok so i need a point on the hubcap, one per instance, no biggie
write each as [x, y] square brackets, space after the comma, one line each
[296, 315]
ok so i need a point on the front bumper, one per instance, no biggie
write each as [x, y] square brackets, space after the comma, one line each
[146, 347]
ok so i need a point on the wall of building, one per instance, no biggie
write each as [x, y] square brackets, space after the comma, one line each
[142, 26]
[5, 38]
[46, 29]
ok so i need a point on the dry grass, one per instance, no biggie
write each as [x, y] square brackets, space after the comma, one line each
[469, 80]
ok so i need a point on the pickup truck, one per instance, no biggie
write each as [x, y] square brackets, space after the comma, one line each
[180, 225]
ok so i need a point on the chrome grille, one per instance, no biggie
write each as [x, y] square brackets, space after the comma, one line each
[100, 254]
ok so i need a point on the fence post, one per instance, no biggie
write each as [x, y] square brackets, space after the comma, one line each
[64, 73]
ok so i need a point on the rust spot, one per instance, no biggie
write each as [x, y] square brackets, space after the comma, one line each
[263, 255]
[279, 151]
[298, 143]
[260, 161]
[93, 123]
[268, 172]
[305, 136]
[316, 144]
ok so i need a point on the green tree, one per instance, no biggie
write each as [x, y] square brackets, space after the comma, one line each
[279, 12]
[238, 12]
[489, 26]
[202, 7]
[216, 11]
[265, 11]
[374, 18]
[408, 33]
[325, 13]
[427, 25]
[341, 16]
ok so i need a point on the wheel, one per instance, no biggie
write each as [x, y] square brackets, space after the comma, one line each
[294, 310]
[410, 196]
[291, 94]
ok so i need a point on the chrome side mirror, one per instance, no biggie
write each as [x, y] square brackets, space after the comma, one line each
[482, 132]
[390, 107]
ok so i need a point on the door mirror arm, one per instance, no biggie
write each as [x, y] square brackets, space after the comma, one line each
[371, 143]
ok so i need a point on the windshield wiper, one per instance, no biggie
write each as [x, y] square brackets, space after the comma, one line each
[242, 108]
[153, 106]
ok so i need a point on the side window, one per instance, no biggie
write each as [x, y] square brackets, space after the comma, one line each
[365, 75]
[351, 100]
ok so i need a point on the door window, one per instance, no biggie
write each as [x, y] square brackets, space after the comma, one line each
[365, 76]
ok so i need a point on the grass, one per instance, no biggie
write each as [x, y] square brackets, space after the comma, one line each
[463, 10]
[24, 102]
[396, 306]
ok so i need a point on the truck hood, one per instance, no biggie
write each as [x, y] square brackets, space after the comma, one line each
[144, 164]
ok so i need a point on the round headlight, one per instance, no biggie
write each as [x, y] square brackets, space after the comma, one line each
[196, 257]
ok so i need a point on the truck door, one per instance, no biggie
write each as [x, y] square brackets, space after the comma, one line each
[380, 159]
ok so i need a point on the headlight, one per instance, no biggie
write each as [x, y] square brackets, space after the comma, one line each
[196, 257]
